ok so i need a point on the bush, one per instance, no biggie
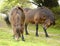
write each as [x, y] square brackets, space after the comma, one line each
[56, 10]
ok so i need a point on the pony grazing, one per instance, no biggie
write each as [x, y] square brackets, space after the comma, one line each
[16, 18]
[40, 15]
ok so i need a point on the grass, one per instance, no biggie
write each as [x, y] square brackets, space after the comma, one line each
[6, 38]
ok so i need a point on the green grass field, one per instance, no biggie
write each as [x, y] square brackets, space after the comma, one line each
[6, 38]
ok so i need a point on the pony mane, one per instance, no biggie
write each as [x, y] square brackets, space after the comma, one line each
[20, 8]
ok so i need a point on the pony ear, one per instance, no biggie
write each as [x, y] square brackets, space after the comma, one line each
[20, 8]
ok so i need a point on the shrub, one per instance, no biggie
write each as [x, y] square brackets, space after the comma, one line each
[56, 10]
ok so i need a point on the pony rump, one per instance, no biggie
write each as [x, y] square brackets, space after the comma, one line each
[16, 18]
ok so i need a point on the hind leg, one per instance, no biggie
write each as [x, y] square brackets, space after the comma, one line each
[37, 30]
[15, 35]
[23, 37]
[46, 34]
[26, 29]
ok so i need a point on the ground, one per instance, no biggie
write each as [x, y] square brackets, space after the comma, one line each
[6, 34]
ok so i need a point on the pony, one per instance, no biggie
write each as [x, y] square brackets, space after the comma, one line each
[17, 18]
[41, 15]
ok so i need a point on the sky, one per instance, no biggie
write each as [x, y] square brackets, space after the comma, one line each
[59, 2]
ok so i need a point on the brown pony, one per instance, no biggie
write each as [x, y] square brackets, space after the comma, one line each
[16, 18]
[40, 15]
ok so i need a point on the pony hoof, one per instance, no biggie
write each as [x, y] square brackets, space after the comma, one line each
[37, 35]
[27, 33]
[47, 36]
[23, 40]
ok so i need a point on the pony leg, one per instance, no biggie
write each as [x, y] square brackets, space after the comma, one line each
[23, 37]
[26, 29]
[16, 34]
[21, 31]
[46, 34]
[17, 37]
[37, 30]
